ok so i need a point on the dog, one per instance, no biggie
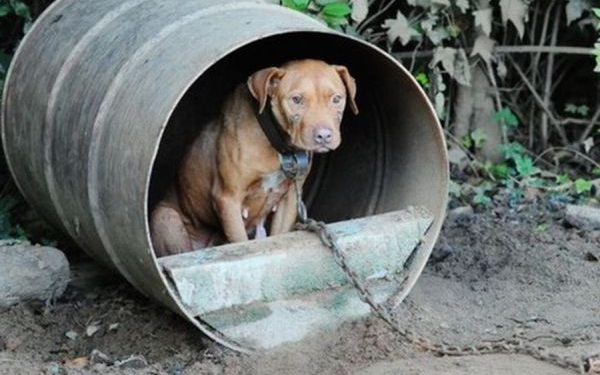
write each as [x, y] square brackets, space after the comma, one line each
[230, 184]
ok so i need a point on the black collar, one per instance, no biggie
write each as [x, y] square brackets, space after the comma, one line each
[294, 161]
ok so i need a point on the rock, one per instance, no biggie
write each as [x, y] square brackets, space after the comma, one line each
[583, 217]
[30, 272]
[441, 251]
[97, 357]
[460, 213]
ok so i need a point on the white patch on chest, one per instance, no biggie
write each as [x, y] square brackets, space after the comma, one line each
[273, 181]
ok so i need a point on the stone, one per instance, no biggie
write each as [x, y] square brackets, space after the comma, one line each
[583, 217]
[460, 213]
[29, 272]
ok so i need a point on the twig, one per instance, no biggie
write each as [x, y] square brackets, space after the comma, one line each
[414, 59]
[540, 101]
[535, 70]
[367, 21]
[590, 126]
[548, 82]
[559, 50]
[568, 149]
[567, 185]
[580, 121]
[470, 155]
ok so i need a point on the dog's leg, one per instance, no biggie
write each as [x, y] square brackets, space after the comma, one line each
[169, 235]
[285, 216]
[230, 211]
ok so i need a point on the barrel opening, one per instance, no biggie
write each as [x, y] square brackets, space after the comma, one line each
[391, 155]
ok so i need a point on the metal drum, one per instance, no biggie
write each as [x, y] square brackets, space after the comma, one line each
[102, 96]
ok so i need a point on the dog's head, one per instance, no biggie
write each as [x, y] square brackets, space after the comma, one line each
[308, 98]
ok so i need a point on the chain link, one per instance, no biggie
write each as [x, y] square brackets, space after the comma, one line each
[383, 310]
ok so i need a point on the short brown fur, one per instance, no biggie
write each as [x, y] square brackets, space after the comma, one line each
[229, 185]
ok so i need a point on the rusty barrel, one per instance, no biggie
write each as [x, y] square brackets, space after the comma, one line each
[102, 97]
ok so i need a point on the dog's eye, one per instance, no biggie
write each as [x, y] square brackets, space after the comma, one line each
[297, 99]
[336, 99]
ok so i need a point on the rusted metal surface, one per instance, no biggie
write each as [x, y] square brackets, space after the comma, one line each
[99, 92]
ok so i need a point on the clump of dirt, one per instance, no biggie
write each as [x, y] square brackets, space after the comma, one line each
[509, 274]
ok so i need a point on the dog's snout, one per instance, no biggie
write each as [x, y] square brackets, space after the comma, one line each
[323, 136]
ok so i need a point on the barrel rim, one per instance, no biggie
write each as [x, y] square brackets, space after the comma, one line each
[415, 268]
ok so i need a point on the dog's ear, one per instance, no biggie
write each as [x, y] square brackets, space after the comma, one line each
[261, 83]
[350, 85]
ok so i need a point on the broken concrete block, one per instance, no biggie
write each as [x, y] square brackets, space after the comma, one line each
[280, 289]
[293, 263]
[583, 217]
[30, 272]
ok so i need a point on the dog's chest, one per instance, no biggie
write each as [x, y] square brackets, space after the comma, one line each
[274, 182]
[265, 194]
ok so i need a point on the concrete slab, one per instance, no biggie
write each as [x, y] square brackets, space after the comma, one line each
[266, 292]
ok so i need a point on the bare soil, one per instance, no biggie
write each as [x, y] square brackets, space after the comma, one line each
[496, 275]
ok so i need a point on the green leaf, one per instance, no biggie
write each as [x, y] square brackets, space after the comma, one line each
[525, 166]
[500, 170]
[570, 108]
[335, 21]
[512, 150]
[596, 12]
[536, 183]
[481, 198]
[296, 4]
[506, 117]
[453, 31]
[467, 141]
[583, 110]
[325, 2]
[596, 171]
[479, 137]
[337, 9]
[5, 10]
[423, 79]
[21, 9]
[563, 178]
[454, 189]
[583, 186]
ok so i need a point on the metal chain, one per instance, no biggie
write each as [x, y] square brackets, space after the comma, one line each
[383, 311]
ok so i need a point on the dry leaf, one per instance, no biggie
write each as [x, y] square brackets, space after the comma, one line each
[360, 9]
[588, 144]
[447, 56]
[71, 335]
[92, 329]
[575, 9]
[515, 11]
[501, 68]
[483, 19]
[398, 28]
[80, 362]
[463, 5]
[484, 47]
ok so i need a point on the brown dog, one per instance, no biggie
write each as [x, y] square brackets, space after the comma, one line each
[231, 182]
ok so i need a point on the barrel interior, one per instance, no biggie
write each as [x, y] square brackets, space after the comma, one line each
[391, 157]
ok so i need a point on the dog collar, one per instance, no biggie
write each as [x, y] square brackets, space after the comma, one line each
[294, 162]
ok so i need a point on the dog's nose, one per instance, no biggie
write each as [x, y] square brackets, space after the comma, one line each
[323, 136]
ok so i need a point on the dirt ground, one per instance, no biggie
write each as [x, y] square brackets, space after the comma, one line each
[506, 274]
